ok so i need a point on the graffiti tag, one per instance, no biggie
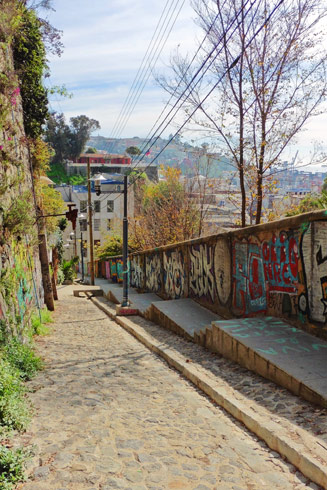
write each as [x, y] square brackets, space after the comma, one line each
[202, 281]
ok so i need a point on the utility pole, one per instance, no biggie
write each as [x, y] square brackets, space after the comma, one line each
[43, 253]
[82, 256]
[125, 248]
[89, 205]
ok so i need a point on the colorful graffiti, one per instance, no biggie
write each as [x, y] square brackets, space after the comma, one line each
[314, 255]
[120, 270]
[250, 294]
[137, 273]
[153, 272]
[174, 274]
[280, 262]
[202, 282]
[273, 271]
[113, 271]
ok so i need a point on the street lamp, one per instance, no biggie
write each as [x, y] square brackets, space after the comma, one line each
[81, 217]
[97, 179]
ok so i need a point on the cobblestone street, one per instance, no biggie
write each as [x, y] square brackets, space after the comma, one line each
[111, 414]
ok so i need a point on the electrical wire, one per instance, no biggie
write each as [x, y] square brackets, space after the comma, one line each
[230, 67]
[199, 70]
[176, 88]
[145, 74]
[138, 72]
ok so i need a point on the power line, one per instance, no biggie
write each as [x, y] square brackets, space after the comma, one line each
[138, 71]
[234, 63]
[177, 87]
[144, 72]
[189, 85]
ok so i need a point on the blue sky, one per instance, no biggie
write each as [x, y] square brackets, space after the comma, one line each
[104, 45]
[105, 42]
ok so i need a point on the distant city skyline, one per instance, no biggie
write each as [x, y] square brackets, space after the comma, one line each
[104, 46]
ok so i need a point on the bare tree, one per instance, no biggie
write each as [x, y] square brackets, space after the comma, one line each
[275, 81]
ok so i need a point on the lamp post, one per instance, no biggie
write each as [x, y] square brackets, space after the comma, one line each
[97, 185]
[81, 217]
[72, 236]
[125, 247]
[89, 206]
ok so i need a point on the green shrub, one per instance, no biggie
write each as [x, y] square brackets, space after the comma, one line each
[14, 412]
[38, 324]
[69, 268]
[22, 357]
[11, 467]
[60, 276]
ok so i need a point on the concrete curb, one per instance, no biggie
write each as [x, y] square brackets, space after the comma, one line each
[293, 443]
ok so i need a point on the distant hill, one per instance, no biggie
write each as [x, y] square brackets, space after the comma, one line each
[177, 154]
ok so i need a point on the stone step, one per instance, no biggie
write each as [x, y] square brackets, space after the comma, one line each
[183, 316]
[277, 351]
[139, 301]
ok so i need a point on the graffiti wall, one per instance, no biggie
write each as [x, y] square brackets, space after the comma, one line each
[137, 271]
[174, 273]
[20, 286]
[153, 272]
[277, 269]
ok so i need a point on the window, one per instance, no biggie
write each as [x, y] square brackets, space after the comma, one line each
[96, 205]
[83, 225]
[110, 206]
[97, 224]
[108, 224]
[83, 206]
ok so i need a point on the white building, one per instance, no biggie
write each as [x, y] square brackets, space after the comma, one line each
[107, 214]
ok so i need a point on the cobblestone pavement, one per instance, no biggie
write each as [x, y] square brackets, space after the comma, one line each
[277, 400]
[110, 414]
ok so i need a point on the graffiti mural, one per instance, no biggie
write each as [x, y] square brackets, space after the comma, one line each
[137, 274]
[153, 272]
[281, 261]
[113, 271]
[120, 269]
[202, 282]
[223, 270]
[174, 274]
[316, 267]
[250, 294]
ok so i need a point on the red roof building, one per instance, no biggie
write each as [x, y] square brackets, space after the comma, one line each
[104, 159]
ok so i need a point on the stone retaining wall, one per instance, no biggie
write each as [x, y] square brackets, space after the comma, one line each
[276, 269]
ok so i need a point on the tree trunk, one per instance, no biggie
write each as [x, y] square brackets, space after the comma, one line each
[46, 279]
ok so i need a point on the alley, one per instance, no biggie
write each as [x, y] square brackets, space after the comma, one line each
[110, 414]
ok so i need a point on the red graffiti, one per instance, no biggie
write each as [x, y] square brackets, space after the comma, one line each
[281, 261]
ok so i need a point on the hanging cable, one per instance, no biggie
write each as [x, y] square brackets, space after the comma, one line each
[190, 87]
[230, 67]
[144, 72]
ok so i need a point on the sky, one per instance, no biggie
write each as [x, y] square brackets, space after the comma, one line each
[104, 44]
